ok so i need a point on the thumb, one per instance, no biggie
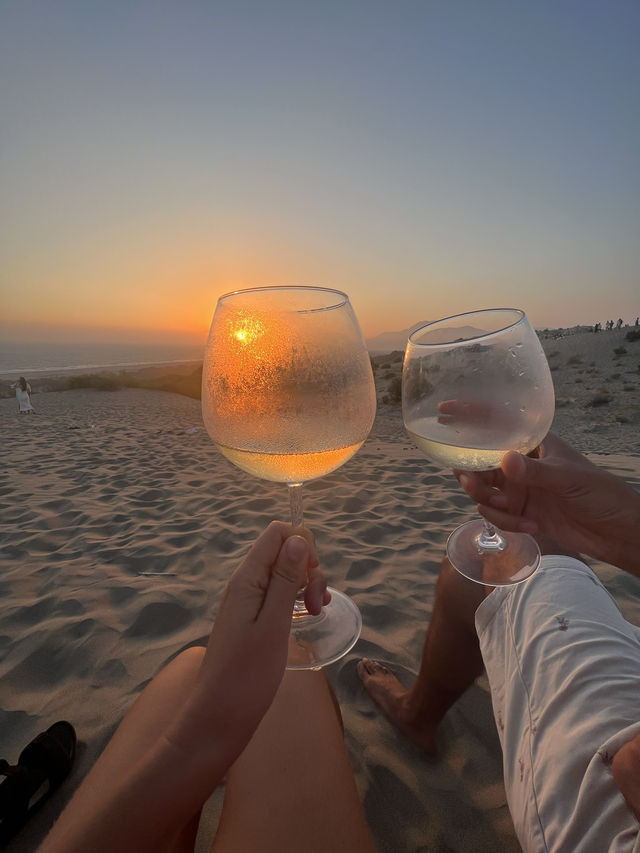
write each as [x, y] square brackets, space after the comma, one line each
[538, 473]
[292, 561]
[287, 576]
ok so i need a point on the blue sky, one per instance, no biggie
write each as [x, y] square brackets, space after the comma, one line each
[428, 158]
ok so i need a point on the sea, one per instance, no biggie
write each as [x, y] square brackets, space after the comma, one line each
[33, 359]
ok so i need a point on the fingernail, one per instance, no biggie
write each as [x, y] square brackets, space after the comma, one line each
[498, 501]
[464, 480]
[297, 548]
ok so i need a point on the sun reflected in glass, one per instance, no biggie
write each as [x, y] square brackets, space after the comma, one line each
[246, 328]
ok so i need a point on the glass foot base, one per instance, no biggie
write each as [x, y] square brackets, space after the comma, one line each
[317, 641]
[513, 563]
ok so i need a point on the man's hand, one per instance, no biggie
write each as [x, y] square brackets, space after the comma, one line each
[564, 497]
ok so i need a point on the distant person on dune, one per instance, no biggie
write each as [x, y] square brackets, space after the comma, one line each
[562, 662]
[23, 396]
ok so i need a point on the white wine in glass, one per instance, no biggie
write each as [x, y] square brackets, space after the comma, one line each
[475, 386]
[288, 396]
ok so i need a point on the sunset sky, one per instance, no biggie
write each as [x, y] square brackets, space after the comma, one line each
[427, 157]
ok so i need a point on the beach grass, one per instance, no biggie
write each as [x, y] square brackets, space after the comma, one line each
[168, 378]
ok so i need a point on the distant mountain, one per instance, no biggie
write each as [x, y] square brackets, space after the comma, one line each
[389, 341]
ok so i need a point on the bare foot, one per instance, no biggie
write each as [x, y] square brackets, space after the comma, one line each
[626, 773]
[396, 702]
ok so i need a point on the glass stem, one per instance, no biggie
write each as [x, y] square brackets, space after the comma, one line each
[297, 520]
[295, 504]
[490, 538]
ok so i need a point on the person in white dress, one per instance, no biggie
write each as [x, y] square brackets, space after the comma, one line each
[23, 396]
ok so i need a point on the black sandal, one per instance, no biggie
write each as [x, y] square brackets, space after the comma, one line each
[42, 767]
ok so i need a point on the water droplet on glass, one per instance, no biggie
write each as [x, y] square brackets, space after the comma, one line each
[519, 345]
[507, 402]
[523, 408]
[522, 373]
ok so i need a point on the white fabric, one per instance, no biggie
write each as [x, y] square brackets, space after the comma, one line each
[564, 671]
[24, 402]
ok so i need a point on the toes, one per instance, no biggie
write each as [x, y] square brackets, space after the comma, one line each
[370, 667]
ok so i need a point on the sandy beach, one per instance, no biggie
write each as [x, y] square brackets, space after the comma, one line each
[121, 524]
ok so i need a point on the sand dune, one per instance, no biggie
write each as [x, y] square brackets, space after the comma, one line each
[121, 524]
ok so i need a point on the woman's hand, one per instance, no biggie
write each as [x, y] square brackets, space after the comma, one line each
[563, 496]
[247, 650]
[157, 795]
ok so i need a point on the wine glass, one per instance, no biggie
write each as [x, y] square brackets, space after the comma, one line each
[288, 395]
[473, 387]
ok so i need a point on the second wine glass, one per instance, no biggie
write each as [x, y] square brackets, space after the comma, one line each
[473, 387]
[288, 396]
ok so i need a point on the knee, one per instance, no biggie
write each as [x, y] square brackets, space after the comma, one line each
[194, 654]
[626, 763]
[189, 659]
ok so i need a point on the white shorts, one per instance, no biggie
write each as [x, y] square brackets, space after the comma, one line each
[564, 671]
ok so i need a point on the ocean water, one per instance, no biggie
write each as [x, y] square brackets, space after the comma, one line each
[26, 358]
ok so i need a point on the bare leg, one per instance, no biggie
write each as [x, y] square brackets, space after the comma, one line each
[292, 781]
[149, 716]
[293, 787]
[451, 661]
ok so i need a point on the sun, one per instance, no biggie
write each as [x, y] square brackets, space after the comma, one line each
[247, 328]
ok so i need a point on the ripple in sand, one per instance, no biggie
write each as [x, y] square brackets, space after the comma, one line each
[111, 671]
[49, 664]
[362, 568]
[32, 614]
[159, 619]
[70, 607]
[121, 594]
[82, 628]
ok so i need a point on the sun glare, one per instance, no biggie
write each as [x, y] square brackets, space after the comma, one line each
[248, 328]
[251, 357]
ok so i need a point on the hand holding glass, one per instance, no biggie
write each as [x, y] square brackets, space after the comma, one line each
[475, 386]
[288, 395]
